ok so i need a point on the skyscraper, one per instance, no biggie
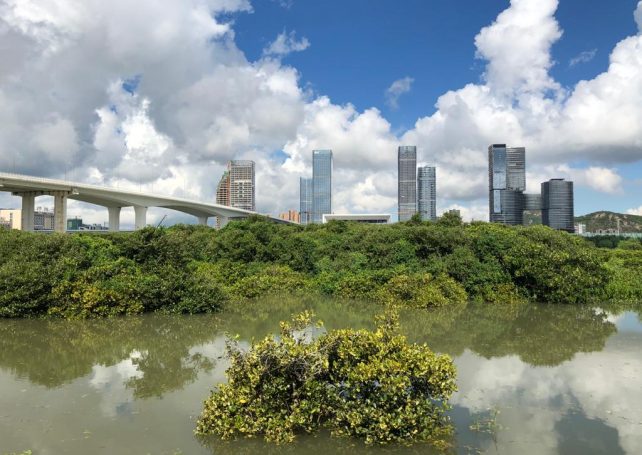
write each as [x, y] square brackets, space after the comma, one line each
[407, 184]
[427, 192]
[236, 187]
[506, 184]
[321, 184]
[223, 190]
[557, 205]
[305, 200]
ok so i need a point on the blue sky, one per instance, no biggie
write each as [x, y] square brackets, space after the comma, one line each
[358, 48]
[158, 96]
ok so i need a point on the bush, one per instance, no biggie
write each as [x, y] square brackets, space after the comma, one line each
[422, 291]
[373, 385]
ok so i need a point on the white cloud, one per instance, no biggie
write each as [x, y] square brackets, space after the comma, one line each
[286, 43]
[638, 16]
[637, 211]
[582, 57]
[396, 89]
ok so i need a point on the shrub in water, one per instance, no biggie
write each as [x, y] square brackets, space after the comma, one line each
[370, 384]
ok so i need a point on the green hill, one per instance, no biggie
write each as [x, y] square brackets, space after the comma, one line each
[609, 220]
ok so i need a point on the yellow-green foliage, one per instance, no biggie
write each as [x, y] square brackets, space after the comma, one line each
[268, 280]
[373, 385]
[625, 266]
[422, 291]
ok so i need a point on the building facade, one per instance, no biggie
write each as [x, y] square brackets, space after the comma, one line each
[237, 186]
[242, 184]
[43, 220]
[407, 182]
[321, 184]
[557, 205]
[305, 200]
[223, 190]
[427, 193]
[12, 218]
[291, 215]
[358, 218]
[506, 184]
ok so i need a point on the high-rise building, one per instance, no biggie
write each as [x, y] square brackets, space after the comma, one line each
[242, 189]
[506, 184]
[557, 205]
[305, 200]
[407, 182]
[223, 190]
[321, 184]
[507, 200]
[236, 187]
[427, 192]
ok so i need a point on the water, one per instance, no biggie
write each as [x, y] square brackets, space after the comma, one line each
[532, 380]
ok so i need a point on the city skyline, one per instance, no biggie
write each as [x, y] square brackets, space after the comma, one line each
[261, 86]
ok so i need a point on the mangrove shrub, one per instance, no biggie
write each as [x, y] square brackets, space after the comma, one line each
[373, 385]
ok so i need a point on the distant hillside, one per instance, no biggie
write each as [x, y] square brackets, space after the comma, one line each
[608, 220]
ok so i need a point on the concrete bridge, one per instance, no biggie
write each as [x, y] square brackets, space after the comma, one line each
[28, 188]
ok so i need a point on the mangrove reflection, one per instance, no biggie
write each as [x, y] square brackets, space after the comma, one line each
[54, 352]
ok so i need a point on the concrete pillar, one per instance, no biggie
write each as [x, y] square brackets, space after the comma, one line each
[141, 216]
[221, 221]
[60, 212]
[28, 208]
[202, 220]
[114, 218]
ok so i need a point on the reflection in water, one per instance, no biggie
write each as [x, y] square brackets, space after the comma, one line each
[538, 334]
[54, 352]
[532, 379]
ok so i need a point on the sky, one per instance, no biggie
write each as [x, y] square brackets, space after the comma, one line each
[157, 96]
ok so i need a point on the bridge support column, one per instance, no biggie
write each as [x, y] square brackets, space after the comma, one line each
[28, 209]
[114, 218]
[202, 220]
[221, 221]
[141, 216]
[60, 212]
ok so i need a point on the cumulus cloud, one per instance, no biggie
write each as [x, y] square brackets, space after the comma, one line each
[582, 57]
[638, 16]
[286, 43]
[66, 99]
[396, 89]
[637, 211]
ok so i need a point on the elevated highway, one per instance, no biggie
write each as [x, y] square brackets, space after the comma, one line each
[114, 199]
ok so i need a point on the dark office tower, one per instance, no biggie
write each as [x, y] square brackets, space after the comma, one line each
[557, 205]
[305, 200]
[407, 189]
[321, 184]
[427, 192]
[506, 184]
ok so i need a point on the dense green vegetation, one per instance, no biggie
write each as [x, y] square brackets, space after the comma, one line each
[372, 385]
[192, 269]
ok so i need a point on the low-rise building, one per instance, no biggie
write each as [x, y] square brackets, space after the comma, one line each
[358, 218]
[291, 215]
[12, 217]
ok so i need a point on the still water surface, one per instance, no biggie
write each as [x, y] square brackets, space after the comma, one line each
[532, 380]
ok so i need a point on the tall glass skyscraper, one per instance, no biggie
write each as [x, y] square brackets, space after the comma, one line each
[427, 192]
[557, 205]
[407, 184]
[506, 184]
[321, 184]
[305, 200]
